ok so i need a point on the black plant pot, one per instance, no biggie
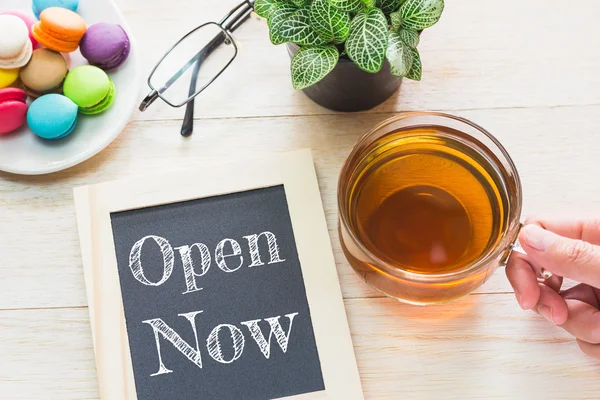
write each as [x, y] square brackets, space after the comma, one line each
[348, 88]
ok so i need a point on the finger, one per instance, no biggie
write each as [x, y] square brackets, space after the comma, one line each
[555, 281]
[562, 256]
[552, 306]
[592, 350]
[587, 230]
[582, 292]
[583, 321]
[523, 280]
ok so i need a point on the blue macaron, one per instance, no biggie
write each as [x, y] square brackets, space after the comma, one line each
[52, 116]
[40, 5]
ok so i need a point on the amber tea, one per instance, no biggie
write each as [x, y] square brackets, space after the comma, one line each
[425, 200]
[428, 203]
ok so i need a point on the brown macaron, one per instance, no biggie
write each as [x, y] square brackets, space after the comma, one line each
[45, 73]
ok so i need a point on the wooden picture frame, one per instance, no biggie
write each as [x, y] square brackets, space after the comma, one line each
[295, 171]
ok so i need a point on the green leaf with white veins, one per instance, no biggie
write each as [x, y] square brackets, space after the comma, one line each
[296, 28]
[388, 6]
[416, 69]
[299, 3]
[396, 19]
[311, 64]
[421, 14]
[331, 23]
[279, 14]
[411, 38]
[399, 55]
[347, 5]
[369, 3]
[264, 8]
[368, 39]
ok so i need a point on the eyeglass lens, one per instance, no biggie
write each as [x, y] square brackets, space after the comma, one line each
[208, 45]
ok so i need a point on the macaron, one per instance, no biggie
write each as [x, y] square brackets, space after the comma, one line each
[52, 116]
[15, 46]
[40, 5]
[44, 74]
[90, 88]
[59, 29]
[29, 21]
[13, 109]
[8, 77]
[105, 45]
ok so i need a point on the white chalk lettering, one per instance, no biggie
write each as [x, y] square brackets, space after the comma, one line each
[220, 257]
[185, 252]
[135, 262]
[214, 345]
[255, 253]
[194, 268]
[192, 354]
[275, 328]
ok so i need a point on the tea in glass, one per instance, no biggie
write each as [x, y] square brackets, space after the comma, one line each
[427, 208]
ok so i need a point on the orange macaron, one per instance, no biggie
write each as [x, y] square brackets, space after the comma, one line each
[59, 29]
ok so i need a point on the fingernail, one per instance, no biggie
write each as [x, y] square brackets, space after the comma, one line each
[536, 237]
[546, 312]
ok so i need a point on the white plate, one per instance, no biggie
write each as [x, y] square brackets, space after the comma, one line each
[22, 152]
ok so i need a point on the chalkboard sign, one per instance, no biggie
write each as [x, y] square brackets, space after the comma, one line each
[223, 271]
[215, 284]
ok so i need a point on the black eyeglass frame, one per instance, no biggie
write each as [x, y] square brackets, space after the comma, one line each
[228, 24]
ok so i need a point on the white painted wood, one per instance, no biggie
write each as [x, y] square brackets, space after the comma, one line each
[525, 70]
[480, 347]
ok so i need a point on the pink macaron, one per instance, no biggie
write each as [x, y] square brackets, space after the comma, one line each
[13, 109]
[29, 21]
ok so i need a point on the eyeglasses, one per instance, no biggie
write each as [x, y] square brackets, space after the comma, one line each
[209, 49]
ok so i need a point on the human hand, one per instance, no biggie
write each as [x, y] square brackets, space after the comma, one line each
[568, 249]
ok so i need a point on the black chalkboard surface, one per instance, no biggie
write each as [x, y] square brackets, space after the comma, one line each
[214, 299]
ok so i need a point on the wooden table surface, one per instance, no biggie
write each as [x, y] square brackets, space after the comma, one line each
[528, 71]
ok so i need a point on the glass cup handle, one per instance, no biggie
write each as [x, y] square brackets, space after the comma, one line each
[516, 246]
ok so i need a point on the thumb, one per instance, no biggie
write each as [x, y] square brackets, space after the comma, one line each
[562, 256]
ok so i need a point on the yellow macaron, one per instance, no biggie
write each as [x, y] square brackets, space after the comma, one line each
[8, 77]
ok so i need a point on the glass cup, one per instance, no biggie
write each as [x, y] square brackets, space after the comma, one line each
[388, 275]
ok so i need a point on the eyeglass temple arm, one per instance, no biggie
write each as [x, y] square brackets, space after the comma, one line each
[243, 8]
[148, 100]
[187, 127]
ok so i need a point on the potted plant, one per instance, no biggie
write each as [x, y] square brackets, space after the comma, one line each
[350, 55]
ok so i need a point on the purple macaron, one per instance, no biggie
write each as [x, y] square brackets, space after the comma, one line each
[105, 45]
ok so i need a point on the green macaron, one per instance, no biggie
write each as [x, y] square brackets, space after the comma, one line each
[90, 88]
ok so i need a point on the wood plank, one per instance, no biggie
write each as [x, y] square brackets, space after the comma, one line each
[480, 347]
[482, 54]
[47, 354]
[41, 263]
[483, 347]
